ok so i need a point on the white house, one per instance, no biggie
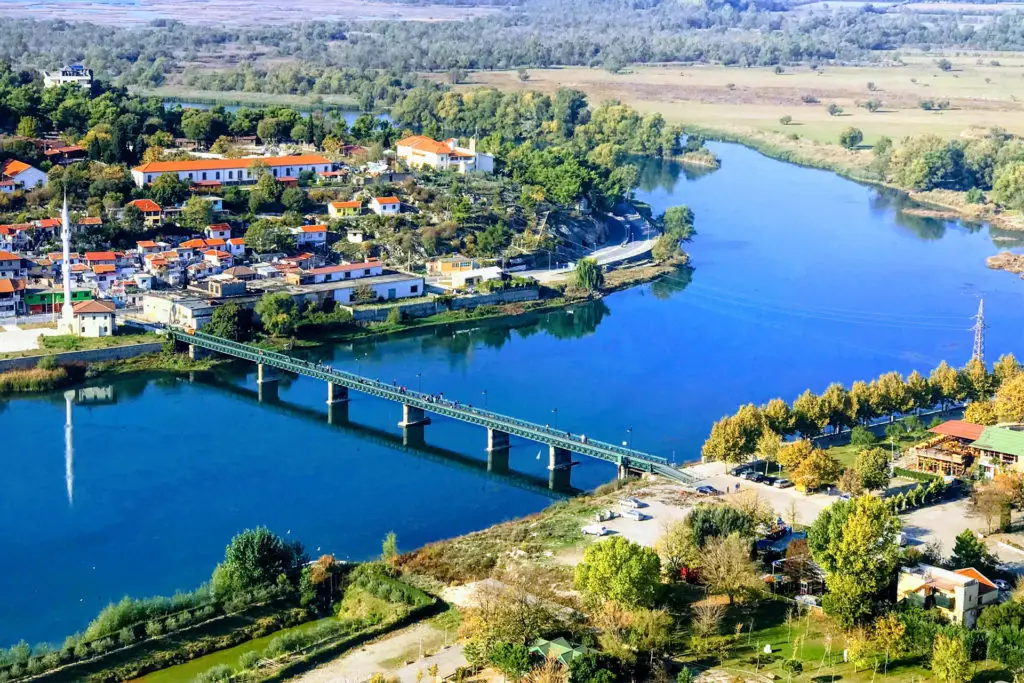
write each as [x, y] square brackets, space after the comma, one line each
[345, 271]
[418, 151]
[236, 245]
[12, 266]
[17, 175]
[386, 206]
[231, 171]
[94, 318]
[73, 73]
[310, 235]
[218, 231]
[468, 278]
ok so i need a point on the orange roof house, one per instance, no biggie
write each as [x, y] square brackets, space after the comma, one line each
[145, 205]
[230, 170]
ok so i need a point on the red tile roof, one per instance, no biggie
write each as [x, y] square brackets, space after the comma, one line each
[959, 429]
[145, 205]
[100, 256]
[48, 223]
[146, 244]
[314, 228]
[344, 267]
[215, 242]
[977, 576]
[90, 220]
[237, 240]
[219, 164]
[9, 286]
[8, 256]
[216, 253]
[103, 269]
[219, 226]
[193, 244]
[387, 200]
[424, 144]
[14, 167]
[354, 204]
[94, 306]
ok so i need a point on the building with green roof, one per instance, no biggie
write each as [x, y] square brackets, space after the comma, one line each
[559, 648]
[1000, 447]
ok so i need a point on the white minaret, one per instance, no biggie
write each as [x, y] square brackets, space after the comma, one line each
[67, 319]
[69, 449]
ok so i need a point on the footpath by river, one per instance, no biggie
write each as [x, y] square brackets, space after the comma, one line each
[800, 278]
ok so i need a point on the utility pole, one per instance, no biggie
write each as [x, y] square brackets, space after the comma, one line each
[979, 333]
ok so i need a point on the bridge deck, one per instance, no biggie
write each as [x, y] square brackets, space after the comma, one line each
[636, 460]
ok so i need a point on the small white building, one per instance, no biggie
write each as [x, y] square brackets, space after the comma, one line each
[386, 206]
[94, 318]
[218, 231]
[231, 171]
[468, 278]
[17, 175]
[73, 73]
[236, 245]
[12, 266]
[310, 235]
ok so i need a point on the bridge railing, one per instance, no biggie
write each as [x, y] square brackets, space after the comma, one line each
[435, 404]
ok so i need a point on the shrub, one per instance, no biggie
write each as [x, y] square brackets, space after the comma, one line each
[153, 628]
[221, 672]
[48, 362]
[861, 436]
[249, 660]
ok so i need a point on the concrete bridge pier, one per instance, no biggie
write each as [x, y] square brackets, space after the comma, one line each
[413, 417]
[337, 403]
[198, 352]
[336, 393]
[559, 468]
[266, 382]
[497, 450]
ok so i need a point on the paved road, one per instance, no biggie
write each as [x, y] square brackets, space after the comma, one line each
[606, 256]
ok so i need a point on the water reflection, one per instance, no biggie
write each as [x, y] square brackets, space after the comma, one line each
[663, 174]
[925, 227]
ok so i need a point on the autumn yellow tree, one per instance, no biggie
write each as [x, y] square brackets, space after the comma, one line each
[817, 469]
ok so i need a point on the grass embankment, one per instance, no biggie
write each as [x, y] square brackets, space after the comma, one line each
[65, 342]
[38, 379]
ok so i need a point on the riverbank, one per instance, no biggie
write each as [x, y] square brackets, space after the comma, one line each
[184, 94]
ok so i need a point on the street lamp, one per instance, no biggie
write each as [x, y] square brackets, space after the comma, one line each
[485, 399]
[555, 411]
[419, 382]
[629, 438]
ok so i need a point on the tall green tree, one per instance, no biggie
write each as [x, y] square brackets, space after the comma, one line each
[970, 551]
[588, 275]
[276, 311]
[872, 464]
[617, 569]
[196, 214]
[951, 661]
[256, 558]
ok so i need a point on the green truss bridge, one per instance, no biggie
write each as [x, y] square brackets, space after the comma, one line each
[416, 405]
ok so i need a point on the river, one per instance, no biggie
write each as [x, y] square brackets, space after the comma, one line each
[800, 278]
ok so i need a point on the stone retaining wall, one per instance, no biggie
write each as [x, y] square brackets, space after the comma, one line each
[425, 308]
[87, 356]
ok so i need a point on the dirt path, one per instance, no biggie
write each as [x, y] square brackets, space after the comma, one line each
[390, 656]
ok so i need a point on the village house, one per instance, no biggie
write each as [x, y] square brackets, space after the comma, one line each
[218, 258]
[147, 247]
[59, 152]
[354, 235]
[151, 212]
[444, 267]
[345, 271]
[106, 258]
[201, 270]
[218, 231]
[231, 171]
[51, 299]
[87, 222]
[17, 175]
[243, 273]
[958, 446]
[15, 237]
[12, 266]
[72, 73]
[94, 318]
[342, 209]
[310, 236]
[100, 276]
[958, 595]
[236, 245]
[386, 206]
[470, 278]
[11, 297]
[418, 151]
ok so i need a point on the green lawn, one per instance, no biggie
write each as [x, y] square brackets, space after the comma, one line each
[820, 651]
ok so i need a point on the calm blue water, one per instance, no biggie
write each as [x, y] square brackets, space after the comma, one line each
[349, 115]
[801, 278]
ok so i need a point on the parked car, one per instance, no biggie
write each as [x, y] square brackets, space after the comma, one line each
[769, 481]
[634, 503]
[636, 515]
[740, 469]
[708, 490]
[595, 530]
[845, 496]
[809, 600]
[756, 477]
[748, 475]
[782, 483]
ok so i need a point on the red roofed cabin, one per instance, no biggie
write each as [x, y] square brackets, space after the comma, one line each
[231, 171]
[94, 318]
[12, 266]
[218, 231]
[310, 235]
[386, 206]
[151, 213]
[11, 297]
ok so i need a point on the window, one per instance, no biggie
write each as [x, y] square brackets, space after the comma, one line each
[218, 175]
[190, 176]
[204, 175]
[231, 175]
[414, 289]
